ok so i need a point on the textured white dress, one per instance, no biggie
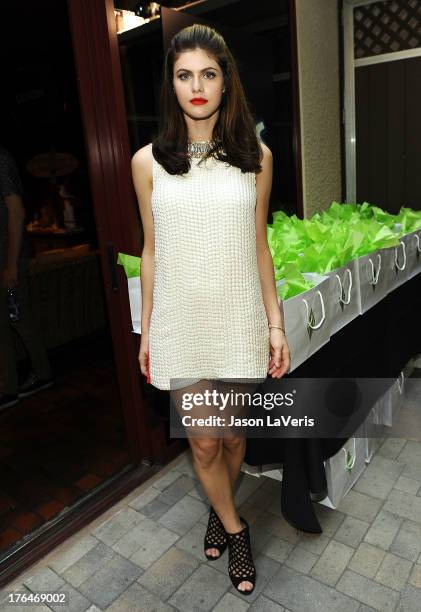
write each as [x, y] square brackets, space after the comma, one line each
[208, 318]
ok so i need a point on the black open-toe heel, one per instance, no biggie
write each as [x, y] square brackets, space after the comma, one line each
[240, 565]
[215, 536]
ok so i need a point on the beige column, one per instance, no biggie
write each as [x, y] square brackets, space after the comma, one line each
[319, 86]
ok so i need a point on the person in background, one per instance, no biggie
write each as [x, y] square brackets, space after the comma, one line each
[14, 286]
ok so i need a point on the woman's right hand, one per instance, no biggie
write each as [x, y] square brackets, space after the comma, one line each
[143, 354]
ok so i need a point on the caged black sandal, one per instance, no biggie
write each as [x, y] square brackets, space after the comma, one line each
[240, 565]
[215, 536]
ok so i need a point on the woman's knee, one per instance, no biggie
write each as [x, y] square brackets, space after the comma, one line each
[233, 443]
[205, 450]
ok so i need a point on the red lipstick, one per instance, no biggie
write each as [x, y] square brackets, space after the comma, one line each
[198, 101]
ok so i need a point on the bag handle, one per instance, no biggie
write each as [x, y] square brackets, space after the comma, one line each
[417, 240]
[404, 256]
[323, 312]
[400, 385]
[349, 459]
[348, 299]
[375, 277]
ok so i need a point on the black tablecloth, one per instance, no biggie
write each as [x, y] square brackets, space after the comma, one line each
[377, 344]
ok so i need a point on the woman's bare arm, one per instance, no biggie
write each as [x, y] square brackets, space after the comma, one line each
[280, 356]
[142, 179]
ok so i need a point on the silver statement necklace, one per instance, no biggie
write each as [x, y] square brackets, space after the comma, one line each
[199, 148]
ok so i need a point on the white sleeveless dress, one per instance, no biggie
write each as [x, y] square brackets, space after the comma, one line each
[208, 318]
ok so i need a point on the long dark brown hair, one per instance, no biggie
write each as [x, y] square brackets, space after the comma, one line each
[234, 132]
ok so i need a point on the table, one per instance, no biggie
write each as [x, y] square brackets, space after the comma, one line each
[67, 296]
[377, 344]
[40, 239]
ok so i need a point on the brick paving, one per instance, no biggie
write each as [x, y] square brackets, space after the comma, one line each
[146, 553]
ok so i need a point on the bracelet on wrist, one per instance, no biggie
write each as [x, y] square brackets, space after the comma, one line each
[276, 327]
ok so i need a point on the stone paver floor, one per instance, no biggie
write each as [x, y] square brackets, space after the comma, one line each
[146, 553]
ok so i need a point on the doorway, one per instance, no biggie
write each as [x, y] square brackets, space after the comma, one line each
[69, 450]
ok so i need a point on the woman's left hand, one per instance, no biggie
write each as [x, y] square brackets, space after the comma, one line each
[280, 357]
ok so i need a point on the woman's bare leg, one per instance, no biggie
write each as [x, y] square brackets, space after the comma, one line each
[216, 473]
[212, 470]
[209, 455]
[234, 449]
[235, 446]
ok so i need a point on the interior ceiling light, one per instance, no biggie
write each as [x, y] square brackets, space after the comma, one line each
[144, 12]
[146, 9]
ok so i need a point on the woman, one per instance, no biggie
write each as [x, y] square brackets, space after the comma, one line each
[209, 304]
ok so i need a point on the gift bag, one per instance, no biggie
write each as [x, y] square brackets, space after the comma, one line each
[374, 271]
[393, 402]
[343, 469]
[413, 241]
[132, 268]
[374, 427]
[344, 296]
[135, 297]
[307, 319]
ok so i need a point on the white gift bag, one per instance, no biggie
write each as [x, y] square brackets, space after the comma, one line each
[393, 403]
[374, 270]
[307, 319]
[374, 428]
[413, 240]
[344, 292]
[343, 469]
[135, 297]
